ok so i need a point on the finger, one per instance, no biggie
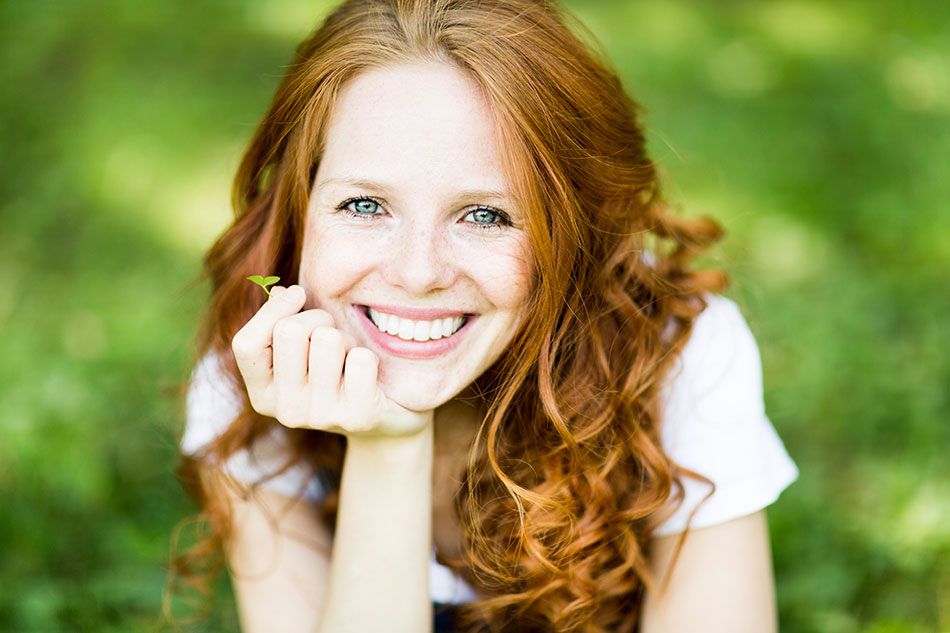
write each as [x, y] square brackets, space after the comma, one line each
[308, 320]
[291, 345]
[252, 344]
[291, 349]
[327, 352]
[359, 384]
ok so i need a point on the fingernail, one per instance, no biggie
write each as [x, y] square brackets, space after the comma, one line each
[292, 294]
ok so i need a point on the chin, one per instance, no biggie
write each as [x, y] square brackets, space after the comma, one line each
[418, 391]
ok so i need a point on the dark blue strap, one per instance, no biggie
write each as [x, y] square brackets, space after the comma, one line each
[444, 619]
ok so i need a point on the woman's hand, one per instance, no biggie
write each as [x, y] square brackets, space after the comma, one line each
[301, 370]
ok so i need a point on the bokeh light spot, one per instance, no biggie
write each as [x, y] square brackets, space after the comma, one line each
[740, 70]
[290, 19]
[194, 211]
[812, 28]
[925, 519]
[913, 84]
[667, 27]
[787, 250]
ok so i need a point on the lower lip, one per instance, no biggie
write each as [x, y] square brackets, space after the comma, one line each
[396, 346]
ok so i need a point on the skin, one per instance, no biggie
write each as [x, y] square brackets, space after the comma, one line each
[415, 234]
[721, 583]
[409, 212]
[420, 139]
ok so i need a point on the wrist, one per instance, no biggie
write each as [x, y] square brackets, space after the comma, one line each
[387, 448]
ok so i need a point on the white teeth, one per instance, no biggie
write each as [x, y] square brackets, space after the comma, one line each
[393, 326]
[410, 330]
[406, 329]
[422, 331]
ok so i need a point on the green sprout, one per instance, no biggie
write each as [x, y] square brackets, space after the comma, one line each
[263, 282]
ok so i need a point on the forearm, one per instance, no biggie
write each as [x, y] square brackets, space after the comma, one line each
[379, 570]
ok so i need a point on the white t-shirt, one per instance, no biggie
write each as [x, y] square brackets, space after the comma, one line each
[714, 424]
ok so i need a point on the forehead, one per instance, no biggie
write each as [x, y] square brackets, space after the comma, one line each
[425, 124]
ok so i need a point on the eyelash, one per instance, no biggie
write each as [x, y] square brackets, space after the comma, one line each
[503, 219]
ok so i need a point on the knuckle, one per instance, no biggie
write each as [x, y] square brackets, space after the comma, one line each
[362, 355]
[363, 424]
[323, 317]
[288, 328]
[261, 400]
[318, 420]
[240, 345]
[327, 336]
[287, 414]
[357, 417]
[258, 405]
[321, 418]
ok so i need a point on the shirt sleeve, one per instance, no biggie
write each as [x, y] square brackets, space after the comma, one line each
[714, 424]
[212, 404]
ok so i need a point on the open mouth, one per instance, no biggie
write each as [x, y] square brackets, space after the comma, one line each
[416, 330]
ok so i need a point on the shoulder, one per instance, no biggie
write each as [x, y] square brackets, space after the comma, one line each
[719, 367]
[213, 403]
[714, 423]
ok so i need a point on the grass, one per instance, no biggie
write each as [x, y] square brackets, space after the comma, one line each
[815, 131]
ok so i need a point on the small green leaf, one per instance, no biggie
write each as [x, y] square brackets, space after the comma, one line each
[263, 283]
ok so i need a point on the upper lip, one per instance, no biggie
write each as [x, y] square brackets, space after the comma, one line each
[417, 314]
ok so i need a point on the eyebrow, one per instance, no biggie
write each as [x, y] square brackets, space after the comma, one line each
[467, 194]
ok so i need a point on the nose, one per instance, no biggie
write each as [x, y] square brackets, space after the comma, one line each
[420, 261]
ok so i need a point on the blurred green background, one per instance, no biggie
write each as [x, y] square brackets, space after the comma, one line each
[817, 132]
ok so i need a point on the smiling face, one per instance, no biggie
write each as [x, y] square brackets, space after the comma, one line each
[413, 242]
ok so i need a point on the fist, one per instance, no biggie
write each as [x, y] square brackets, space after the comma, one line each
[303, 371]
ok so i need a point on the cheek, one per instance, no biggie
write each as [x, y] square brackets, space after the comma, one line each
[330, 263]
[506, 275]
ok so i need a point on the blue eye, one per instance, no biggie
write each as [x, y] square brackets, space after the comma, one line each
[482, 217]
[485, 217]
[361, 207]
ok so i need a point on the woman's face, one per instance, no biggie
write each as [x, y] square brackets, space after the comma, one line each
[413, 242]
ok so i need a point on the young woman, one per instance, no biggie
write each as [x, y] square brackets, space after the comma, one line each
[489, 379]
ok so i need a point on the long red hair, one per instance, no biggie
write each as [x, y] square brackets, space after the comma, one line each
[567, 476]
